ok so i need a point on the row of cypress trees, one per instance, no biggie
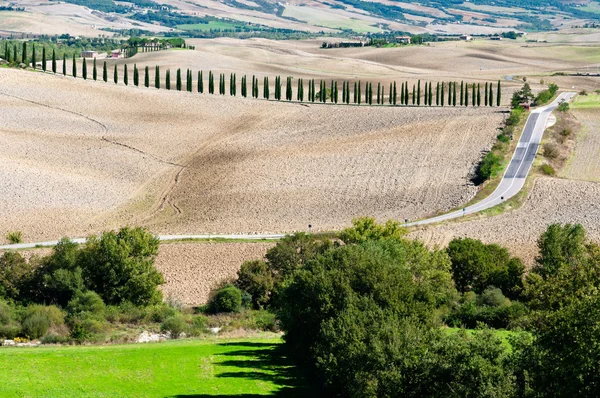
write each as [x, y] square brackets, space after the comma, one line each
[446, 93]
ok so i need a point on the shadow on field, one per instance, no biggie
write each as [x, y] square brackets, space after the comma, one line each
[262, 362]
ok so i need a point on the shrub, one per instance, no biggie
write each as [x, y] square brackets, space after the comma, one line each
[15, 237]
[15, 273]
[266, 321]
[86, 304]
[255, 278]
[130, 313]
[493, 297]
[227, 299]
[503, 138]
[175, 325]
[9, 331]
[7, 313]
[159, 313]
[87, 329]
[55, 339]
[35, 326]
[55, 315]
[583, 92]
[563, 107]
[490, 165]
[551, 150]
[547, 169]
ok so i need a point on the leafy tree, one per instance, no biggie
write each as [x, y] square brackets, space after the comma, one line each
[365, 228]
[293, 252]
[522, 96]
[226, 299]
[120, 266]
[15, 270]
[256, 279]
[477, 266]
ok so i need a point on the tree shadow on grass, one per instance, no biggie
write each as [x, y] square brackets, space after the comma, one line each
[265, 362]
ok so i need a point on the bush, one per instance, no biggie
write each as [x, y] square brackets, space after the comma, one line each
[15, 237]
[583, 92]
[255, 278]
[159, 313]
[9, 331]
[493, 297]
[227, 299]
[547, 169]
[130, 313]
[365, 228]
[551, 150]
[175, 325]
[15, 273]
[490, 166]
[35, 326]
[86, 304]
[199, 325]
[7, 313]
[55, 339]
[503, 138]
[266, 321]
[55, 315]
[563, 106]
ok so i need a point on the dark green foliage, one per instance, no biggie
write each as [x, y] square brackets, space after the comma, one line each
[478, 94]
[37, 319]
[474, 96]
[522, 96]
[146, 77]
[95, 70]
[178, 81]
[54, 61]
[44, 61]
[116, 75]
[545, 96]
[74, 70]
[477, 266]
[462, 93]
[442, 96]
[85, 305]
[498, 95]
[467, 94]
[491, 103]
[125, 75]
[394, 95]
[226, 299]
[24, 53]
[486, 95]
[200, 82]
[84, 69]
[175, 325]
[168, 79]
[104, 73]
[430, 96]
[414, 95]
[157, 77]
[136, 75]
[211, 83]
[256, 279]
[490, 308]
[14, 274]
[418, 93]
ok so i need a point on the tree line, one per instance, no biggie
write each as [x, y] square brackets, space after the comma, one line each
[322, 91]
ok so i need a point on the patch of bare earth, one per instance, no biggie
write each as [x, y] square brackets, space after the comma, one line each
[191, 269]
[550, 201]
[585, 165]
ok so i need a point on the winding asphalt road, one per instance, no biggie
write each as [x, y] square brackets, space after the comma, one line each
[512, 182]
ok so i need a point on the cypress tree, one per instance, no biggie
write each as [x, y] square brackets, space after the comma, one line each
[6, 52]
[200, 83]
[442, 94]
[343, 91]
[15, 55]
[105, 73]
[449, 93]
[378, 93]
[485, 99]
[146, 77]
[414, 95]
[454, 94]
[266, 92]
[430, 94]
[467, 94]
[358, 94]
[157, 77]
[33, 60]
[382, 94]
[498, 94]
[474, 96]
[355, 93]
[125, 75]
[168, 79]
[84, 69]
[116, 75]
[136, 75]
[178, 81]
[24, 55]
[44, 66]
[402, 94]
[211, 83]
[54, 61]
[491, 96]
[419, 93]
[335, 88]
[394, 95]
[462, 92]
[406, 93]
[74, 67]
[478, 94]
[332, 92]
[231, 84]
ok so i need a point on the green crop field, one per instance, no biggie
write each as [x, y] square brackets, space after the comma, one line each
[209, 26]
[188, 368]
[586, 101]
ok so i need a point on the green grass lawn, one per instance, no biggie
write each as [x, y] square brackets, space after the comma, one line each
[189, 368]
[586, 101]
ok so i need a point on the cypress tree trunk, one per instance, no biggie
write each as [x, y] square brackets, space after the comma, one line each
[116, 75]
[486, 94]
[478, 94]
[125, 75]
[54, 61]
[74, 73]
[84, 69]
[462, 93]
[95, 71]
[157, 77]
[498, 94]
[178, 82]
[44, 66]
[105, 73]
[168, 80]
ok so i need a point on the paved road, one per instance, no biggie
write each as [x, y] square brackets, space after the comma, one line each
[512, 182]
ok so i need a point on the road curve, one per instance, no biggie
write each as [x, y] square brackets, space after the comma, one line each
[512, 182]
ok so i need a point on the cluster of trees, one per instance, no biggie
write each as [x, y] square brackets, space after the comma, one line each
[364, 314]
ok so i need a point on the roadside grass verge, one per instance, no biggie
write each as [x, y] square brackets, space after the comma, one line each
[249, 367]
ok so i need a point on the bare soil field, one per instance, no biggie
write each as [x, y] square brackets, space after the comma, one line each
[81, 156]
[585, 165]
[191, 270]
[550, 201]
